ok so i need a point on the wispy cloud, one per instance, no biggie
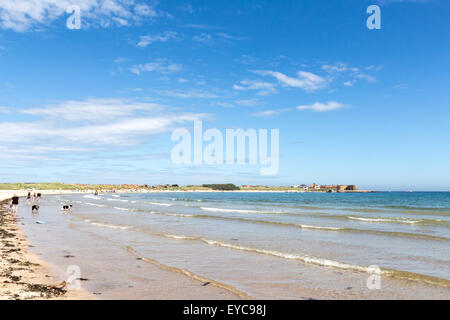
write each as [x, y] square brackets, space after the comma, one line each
[306, 80]
[338, 67]
[264, 88]
[317, 107]
[196, 26]
[248, 102]
[120, 60]
[266, 113]
[229, 36]
[348, 74]
[149, 39]
[322, 107]
[210, 39]
[92, 110]
[161, 65]
[25, 15]
[189, 94]
[224, 104]
[187, 7]
[204, 38]
[88, 125]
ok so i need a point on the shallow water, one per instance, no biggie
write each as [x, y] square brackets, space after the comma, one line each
[269, 245]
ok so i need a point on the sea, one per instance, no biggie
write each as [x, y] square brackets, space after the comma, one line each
[267, 245]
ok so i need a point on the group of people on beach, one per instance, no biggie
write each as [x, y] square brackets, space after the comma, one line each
[14, 202]
[36, 197]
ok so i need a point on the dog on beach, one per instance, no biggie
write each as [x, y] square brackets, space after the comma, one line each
[34, 208]
[67, 207]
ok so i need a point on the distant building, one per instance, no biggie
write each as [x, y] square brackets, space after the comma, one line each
[350, 187]
[325, 186]
[314, 186]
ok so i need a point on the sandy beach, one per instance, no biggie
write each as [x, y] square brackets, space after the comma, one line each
[25, 276]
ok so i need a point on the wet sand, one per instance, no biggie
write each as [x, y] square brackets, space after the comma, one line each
[24, 275]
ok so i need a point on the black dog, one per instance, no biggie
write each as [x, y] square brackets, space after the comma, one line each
[34, 208]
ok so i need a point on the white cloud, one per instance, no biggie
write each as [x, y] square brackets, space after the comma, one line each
[349, 83]
[187, 7]
[306, 80]
[161, 65]
[267, 113]
[322, 107]
[97, 110]
[145, 10]
[196, 26]
[229, 36]
[340, 70]
[189, 94]
[366, 77]
[120, 60]
[248, 102]
[209, 39]
[76, 126]
[204, 38]
[264, 88]
[224, 104]
[118, 133]
[338, 67]
[374, 68]
[164, 37]
[247, 59]
[24, 15]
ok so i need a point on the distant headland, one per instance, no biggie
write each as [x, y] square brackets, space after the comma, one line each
[180, 188]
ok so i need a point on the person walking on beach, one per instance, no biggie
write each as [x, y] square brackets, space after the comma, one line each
[28, 197]
[14, 203]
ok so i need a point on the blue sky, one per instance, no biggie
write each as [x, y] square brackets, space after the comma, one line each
[99, 104]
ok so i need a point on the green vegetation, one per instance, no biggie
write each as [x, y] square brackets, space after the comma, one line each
[40, 186]
[65, 186]
[68, 186]
[222, 187]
